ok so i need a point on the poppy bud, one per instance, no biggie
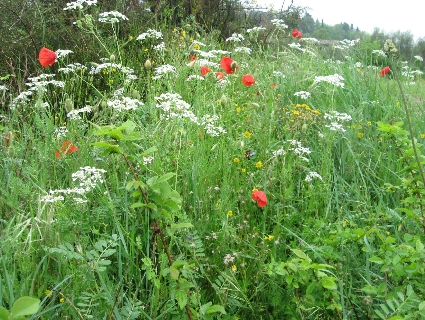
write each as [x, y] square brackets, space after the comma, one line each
[223, 100]
[135, 94]
[148, 64]
[234, 65]
[69, 105]
[112, 58]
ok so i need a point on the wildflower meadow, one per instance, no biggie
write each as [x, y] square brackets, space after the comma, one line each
[185, 176]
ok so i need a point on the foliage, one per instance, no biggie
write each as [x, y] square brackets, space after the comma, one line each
[151, 208]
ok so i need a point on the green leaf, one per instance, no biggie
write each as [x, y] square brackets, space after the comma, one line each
[328, 283]
[178, 226]
[4, 314]
[181, 297]
[301, 254]
[25, 306]
[419, 246]
[216, 308]
[165, 177]
[376, 259]
[174, 273]
[110, 148]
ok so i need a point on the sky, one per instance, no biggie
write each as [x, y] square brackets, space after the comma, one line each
[387, 15]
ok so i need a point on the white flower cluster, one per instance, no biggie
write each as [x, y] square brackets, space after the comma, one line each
[111, 17]
[203, 62]
[150, 33]
[159, 47]
[208, 122]
[195, 77]
[163, 70]
[60, 132]
[334, 79]
[108, 65]
[75, 114]
[243, 49]
[229, 258]
[279, 74]
[335, 115]
[88, 177]
[279, 152]
[379, 52]
[255, 29]
[3, 88]
[346, 44]
[124, 104]
[302, 94]
[220, 52]
[62, 53]
[79, 4]
[419, 58]
[174, 107]
[236, 37]
[358, 64]
[73, 67]
[204, 54]
[147, 160]
[312, 175]
[278, 23]
[299, 150]
[336, 119]
[313, 40]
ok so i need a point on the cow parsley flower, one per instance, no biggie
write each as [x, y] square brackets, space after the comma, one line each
[150, 34]
[236, 37]
[278, 23]
[334, 79]
[419, 58]
[79, 4]
[243, 49]
[88, 177]
[163, 70]
[312, 175]
[124, 104]
[302, 94]
[111, 17]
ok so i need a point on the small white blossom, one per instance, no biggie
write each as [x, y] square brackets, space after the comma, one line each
[195, 77]
[60, 132]
[150, 33]
[278, 23]
[243, 49]
[379, 52]
[124, 103]
[335, 126]
[312, 175]
[419, 58]
[147, 160]
[302, 94]
[88, 177]
[236, 37]
[48, 198]
[159, 47]
[334, 79]
[163, 70]
[111, 17]
[79, 4]
[3, 88]
[335, 115]
[255, 29]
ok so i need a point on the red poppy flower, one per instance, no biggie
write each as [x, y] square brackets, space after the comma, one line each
[248, 80]
[219, 75]
[192, 58]
[260, 197]
[273, 85]
[229, 65]
[204, 70]
[9, 137]
[67, 147]
[384, 71]
[297, 34]
[47, 57]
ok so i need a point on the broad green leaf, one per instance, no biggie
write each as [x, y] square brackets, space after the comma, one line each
[419, 246]
[216, 308]
[181, 297]
[178, 226]
[110, 148]
[174, 273]
[301, 254]
[165, 177]
[4, 314]
[328, 283]
[25, 306]
[376, 259]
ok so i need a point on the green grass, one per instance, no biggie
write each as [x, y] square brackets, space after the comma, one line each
[332, 248]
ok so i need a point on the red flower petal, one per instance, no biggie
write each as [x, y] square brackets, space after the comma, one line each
[248, 80]
[219, 75]
[47, 57]
[260, 197]
[229, 65]
[295, 33]
[384, 71]
[204, 70]
[193, 58]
